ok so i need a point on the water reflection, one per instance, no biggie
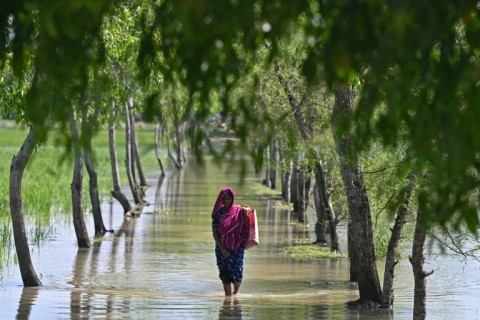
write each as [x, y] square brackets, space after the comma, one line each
[162, 265]
[27, 301]
[230, 309]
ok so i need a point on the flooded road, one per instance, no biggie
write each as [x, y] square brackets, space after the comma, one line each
[162, 266]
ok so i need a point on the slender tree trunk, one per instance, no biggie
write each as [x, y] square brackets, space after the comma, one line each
[363, 253]
[273, 167]
[136, 192]
[170, 154]
[306, 128]
[320, 225]
[266, 180]
[390, 262]
[417, 260]
[117, 192]
[92, 174]
[294, 197]
[300, 185]
[135, 153]
[17, 168]
[76, 187]
[158, 148]
[326, 203]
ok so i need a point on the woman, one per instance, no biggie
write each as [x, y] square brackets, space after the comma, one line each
[230, 225]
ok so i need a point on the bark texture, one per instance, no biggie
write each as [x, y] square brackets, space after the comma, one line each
[92, 173]
[390, 261]
[362, 254]
[83, 240]
[117, 192]
[129, 161]
[305, 127]
[17, 168]
[417, 260]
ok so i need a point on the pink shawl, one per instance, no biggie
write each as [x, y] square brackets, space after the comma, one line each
[232, 227]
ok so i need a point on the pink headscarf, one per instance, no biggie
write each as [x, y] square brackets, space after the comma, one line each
[232, 227]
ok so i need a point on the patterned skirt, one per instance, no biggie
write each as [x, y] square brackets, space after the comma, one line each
[231, 268]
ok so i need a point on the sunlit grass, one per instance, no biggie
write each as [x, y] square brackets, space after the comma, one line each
[46, 183]
[311, 252]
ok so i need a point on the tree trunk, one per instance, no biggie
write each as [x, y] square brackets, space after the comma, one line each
[92, 174]
[273, 166]
[170, 154]
[266, 180]
[326, 203]
[136, 192]
[417, 260]
[17, 168]
[320, 225]
[390, 262]
[76, 186]
[300, 185]
[294, 197]
[285, 175]
[360, 231]
[117, 192]
[158, 148]
[135, 153]
[306, 130]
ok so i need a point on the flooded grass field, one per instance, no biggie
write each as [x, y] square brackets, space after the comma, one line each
[161, 265]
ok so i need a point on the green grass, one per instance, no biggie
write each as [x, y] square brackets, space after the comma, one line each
[311, 252]
[47, 178]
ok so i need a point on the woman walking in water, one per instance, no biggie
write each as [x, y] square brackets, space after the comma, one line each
[230, 226]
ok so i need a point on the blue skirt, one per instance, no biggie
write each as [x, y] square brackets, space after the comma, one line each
[231, 268]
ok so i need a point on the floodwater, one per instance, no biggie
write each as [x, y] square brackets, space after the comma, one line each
[162, 266]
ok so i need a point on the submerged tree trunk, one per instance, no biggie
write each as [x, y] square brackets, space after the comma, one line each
[117, 192]
[390, 262]
[320, 225]
[17, 168]
[417, 260]
[76, 187]
[362, 243]
[158, 148]
[92, 174]
[135, 153]
[306, 131]
[134, 187]
[272, 175]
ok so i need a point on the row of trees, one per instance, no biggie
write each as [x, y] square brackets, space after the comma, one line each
[332, 82]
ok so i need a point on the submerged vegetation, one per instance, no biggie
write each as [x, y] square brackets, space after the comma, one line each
[311, 252]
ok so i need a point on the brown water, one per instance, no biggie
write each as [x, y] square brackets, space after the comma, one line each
[162, 266]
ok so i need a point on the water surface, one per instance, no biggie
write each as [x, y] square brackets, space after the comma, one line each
[162, 265]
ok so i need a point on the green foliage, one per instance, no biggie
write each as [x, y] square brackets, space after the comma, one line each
[415, 65]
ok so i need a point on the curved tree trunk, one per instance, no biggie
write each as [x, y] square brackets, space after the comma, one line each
[390, 262]
[92, 174]
[360, 229]
[417, 260]
[177, 164]
[76, 187]
[17, 168]
[117, 192]
[136, 191]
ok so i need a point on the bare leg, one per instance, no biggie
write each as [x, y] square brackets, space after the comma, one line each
[236, 287]
[227, 287]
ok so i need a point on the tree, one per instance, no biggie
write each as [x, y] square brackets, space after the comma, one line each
[17, 168]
